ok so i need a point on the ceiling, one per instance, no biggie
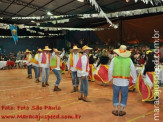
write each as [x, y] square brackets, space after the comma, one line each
[30, 8]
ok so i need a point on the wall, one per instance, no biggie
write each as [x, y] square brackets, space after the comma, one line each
[8, 45]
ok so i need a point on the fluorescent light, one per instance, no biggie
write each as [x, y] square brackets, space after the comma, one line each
[80, 0]
[49, 13]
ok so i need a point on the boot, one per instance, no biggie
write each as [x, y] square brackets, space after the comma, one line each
[30, 76]
[36, 81]
[77, 89]
[43, 85]
[46, 83]
[74, 90]
[39, 80]
[56, 88]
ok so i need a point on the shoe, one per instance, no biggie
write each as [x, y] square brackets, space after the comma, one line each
[56, 88]
[115, 112]
[85, 100]
[80, 98]
[74, 90]
[30, 77]
[43, 85]
[122, 113]
[77, 89]
[46, 83]
[36, 81]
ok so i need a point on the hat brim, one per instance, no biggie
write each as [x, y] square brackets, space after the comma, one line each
[57, 51]
[28, 51]
[47, 49]
[125, 54]
[71, 50]
[88, 48]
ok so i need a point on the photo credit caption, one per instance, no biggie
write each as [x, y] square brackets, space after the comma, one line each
[37, 116]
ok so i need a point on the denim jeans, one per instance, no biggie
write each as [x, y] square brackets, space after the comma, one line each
[58, 75]
[37, 72]
[75, 79]
[45, 74]
[124, 95]
[29, 69]
[84, 86]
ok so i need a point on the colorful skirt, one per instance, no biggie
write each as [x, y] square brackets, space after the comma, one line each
[131, 86]
[63, 67]
[102, 74]
[146, 86]
[92, 69]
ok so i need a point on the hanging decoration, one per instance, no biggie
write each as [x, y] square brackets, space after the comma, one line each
[101, 12]
[13, 29]
[158, 9]
[153, 2]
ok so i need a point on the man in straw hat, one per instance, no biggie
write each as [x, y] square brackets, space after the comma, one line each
[82, 67]
[55, 65]
[28, 62]
[120, 69]
[36, 65]
[72, 61]
[44, 62]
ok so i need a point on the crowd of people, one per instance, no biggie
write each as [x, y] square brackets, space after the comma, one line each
[104, 65]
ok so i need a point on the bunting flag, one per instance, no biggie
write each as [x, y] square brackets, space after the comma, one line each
[14, 33]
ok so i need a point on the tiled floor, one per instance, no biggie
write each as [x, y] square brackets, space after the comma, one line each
[18, 91]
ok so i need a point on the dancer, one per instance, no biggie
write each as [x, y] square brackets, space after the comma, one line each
[44, 62]
[36, 65]
[55, 66]
[28, 62]
[146, 80]
[83, 72]
[120, 69]
[102, 68]
[72, 61]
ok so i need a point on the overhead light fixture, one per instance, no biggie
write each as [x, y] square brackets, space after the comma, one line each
[33, 21]
[80, 0]
[49, 13]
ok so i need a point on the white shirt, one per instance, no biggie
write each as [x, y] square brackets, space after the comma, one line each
[47, 65]
[29, 58]
[58, 60]
[75, 60]
[37, 59]
[120, 81]
[84, 60]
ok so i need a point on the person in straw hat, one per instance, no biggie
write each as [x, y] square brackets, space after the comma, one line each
[120, 69]
[72, 61]
[36, 65]
[55, 65]
[28, 62]
[44, 62]
[82, 67]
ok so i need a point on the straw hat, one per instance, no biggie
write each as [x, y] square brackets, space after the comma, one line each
[86, 48]
[40, 50]
[27, 51]
[47, 48]
[75, 48]
[56, 51]
[122, 51]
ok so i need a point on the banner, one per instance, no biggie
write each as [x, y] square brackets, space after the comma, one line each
[14, 33]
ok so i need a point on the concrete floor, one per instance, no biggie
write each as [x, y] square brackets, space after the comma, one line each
[16, 90]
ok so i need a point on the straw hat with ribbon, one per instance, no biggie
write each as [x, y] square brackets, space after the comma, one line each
[75, 48]
[39, 50]
[27, 51]
[56, 51]
[86, 48]
[47, 48]
[122, 51]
